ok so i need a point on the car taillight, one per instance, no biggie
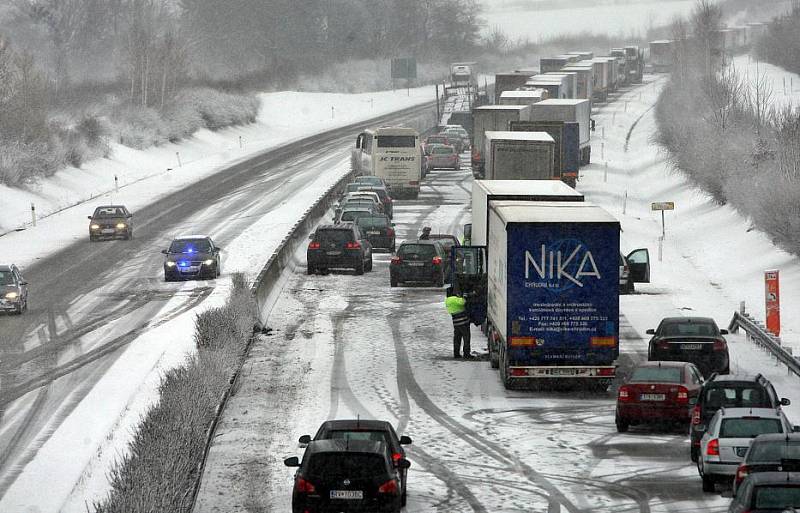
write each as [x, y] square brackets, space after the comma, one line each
[396, 457]
[608, 371]
[389, 487]
[303, 486]
[313, 245]
[390, 232]
[720, 345]
[663, 344]
[624, 394]
[353, 245]
[683, 395]
[436, 260]
[696, 415]
[712, 449]
[396, 260]
[742, 472]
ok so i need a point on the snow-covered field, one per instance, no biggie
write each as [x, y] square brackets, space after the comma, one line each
[349, 345]
[783, 85]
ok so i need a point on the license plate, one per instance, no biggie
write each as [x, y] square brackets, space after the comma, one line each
[416, 264]
[692, 347]
[741, 451]
[652, 397]
[347, 494]
[333, 253]
[563, 372]
[107, 230]
[192, 269]
[373, 232]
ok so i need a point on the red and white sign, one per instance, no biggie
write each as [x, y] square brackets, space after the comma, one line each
[772, 297]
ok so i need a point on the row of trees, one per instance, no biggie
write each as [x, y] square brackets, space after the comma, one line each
[723, 132]
[781, 44]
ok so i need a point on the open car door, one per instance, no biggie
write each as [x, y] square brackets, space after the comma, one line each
[468, 276]
[639, 265]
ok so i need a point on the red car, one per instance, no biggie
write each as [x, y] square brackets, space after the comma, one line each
[658, 392]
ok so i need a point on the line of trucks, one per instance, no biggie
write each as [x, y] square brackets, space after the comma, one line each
[541, 267]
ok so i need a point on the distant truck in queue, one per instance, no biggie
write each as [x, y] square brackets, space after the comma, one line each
[518, 156]
[509, 82]
[567, 151]
[391, 153]
[553, 292]
[492, 118]
[572, 111]
[525, 97]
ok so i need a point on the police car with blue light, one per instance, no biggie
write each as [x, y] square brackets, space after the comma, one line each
[192, 256]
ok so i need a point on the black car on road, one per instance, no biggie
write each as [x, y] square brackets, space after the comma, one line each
[378, 229]
[339, 246]
[192, 256]
[339, 475]
[696, 340]
[13, 290]
[730, 391]
[768, 492]
[110, 222]
[421, 261]
[375, 430]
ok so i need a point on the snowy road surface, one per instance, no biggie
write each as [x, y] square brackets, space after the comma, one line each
[348, 345]
[91, 301]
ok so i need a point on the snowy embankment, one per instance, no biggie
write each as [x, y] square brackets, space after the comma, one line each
[783, 85]
[73, 461]
[712, 259]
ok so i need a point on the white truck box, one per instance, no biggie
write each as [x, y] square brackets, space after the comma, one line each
[518, 155]
[496, 117]
[522, 97]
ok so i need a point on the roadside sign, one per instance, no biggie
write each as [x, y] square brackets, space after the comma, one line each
[772, 298]
[404, 68]
[662, 205]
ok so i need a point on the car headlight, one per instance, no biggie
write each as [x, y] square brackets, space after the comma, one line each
[95, 227]
[208, 261]
[170, 263]
[12, 295]
[120, 226]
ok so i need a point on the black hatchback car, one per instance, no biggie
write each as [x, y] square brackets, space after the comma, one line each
[696, 340]
[375, 430]
[339, 246]
[110, 222]
[768, 492]
[378, 229]
[341, 475]
[730, 391]
[421, 261]
[192, 256]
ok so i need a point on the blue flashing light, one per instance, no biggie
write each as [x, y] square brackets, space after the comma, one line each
[183, 263]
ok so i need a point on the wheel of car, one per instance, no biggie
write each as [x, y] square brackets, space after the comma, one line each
[694, 454]
[310, 270]
[403, 498]
[392, 282]
[369, 264]
[708, 483]
[505, 376]
[360, 267]
[622, 425]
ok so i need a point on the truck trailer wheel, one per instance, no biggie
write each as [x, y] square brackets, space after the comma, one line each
[508, 382]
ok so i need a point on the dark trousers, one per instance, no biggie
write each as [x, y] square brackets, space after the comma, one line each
[461, 333]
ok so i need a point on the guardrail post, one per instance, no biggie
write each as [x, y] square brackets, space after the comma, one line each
[33, 214]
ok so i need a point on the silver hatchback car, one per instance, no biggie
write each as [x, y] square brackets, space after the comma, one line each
[13, 290]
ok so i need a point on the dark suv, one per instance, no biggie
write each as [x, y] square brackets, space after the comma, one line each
[375, 430]
[730, 391]
[696, 340]
[192, 256]
[339, 246]
[340, 475]
[110, 222]
[378, 229]
[419, 261]
[13, 290]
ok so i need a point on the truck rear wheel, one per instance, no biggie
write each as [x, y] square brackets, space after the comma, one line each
[505, 374]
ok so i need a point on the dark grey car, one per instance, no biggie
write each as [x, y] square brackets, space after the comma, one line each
[110, 222]
[13, 290]
[192, 256]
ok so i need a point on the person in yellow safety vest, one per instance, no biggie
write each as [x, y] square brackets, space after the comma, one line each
[457, 308]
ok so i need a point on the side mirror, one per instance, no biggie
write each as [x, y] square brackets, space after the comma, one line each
[785, 401]
[219, 249]
[692, 401]
[23, 283]
[405, 440]
[89, 218]
[294, 461]
[393, 225]
[795, 429]
[402, 463]
[305, 439]
[311, 237]
[164, 251]
[723, 332]
[651, 332]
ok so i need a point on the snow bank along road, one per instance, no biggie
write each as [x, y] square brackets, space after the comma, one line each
[348, 345]
[89, 301]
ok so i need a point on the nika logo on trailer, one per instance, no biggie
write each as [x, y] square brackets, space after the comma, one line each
[565, 264]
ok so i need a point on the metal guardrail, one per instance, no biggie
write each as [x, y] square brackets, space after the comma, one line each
[757, 333]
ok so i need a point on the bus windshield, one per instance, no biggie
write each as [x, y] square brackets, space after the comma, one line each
[396, 141]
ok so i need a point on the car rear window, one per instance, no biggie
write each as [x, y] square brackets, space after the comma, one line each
[372, 222]
[339, 236]
[442, 150]
[777, 497]
[416, 251]
[333, 466]
[689, 329]
[736, 397]
[374, 436]
[749, 427]
[380, 192]
[349, 215]
[190, 246]
[437, 140]
[657, 375]
[774, 451]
